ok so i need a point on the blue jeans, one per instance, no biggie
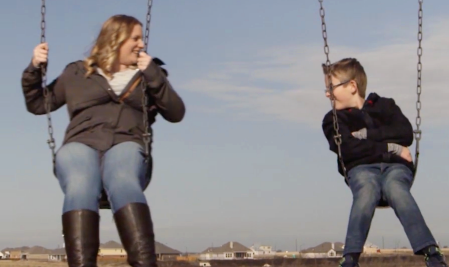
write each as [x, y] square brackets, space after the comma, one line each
[392, 182]
[82, 175]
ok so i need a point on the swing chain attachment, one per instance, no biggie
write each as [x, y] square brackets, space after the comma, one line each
[337, 136]
[418, 88]
[146, 136]
[46, 91]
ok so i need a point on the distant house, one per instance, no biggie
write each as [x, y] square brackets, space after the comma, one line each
[115, 249]
[6, 254]
[38, 253]
[111, 249]
[370, 248]
[108, 249]
[229, 251]
[324, 250]
[18, 254]
[262, 251]
[164, 252]
[58, 254]
[27, 253]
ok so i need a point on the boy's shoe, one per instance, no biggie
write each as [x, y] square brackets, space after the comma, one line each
[348, 261]
[434, 258]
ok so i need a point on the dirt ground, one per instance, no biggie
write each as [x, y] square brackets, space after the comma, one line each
[413, 261]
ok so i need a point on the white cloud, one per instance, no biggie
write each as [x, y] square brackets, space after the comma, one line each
[286, 82]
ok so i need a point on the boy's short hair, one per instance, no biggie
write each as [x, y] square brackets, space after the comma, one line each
[349, 69]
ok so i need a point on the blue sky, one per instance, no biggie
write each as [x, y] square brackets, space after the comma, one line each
[249, 162]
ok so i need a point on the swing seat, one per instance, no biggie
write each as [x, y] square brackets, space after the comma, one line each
[383, 204]
[103, 203]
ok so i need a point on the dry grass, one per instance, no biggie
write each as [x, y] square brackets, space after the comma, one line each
[393, 261]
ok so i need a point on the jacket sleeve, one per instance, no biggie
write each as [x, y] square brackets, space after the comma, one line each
[169, 104]
[34, 93]
[399, 130]
[351, 147]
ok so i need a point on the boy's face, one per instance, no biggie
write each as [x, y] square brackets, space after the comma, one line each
[345, 92]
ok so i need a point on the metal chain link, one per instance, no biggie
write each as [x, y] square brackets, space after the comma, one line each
[337, 136]
[418, 87]
[47, 94]
[146, 136]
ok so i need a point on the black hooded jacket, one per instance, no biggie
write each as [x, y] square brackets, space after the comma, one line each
[385, 123]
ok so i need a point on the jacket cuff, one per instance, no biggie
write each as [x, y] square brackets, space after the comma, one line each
[395, 148]
[360, 134]
[153, 76]
[32, 68]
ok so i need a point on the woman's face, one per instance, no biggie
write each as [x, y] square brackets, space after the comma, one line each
[129, 51]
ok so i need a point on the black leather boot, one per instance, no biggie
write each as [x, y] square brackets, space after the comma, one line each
[135, 229]
[81, 237]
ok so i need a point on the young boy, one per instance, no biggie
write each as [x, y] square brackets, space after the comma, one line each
[375, 135]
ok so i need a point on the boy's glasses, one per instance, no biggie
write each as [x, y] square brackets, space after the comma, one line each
[332, 87]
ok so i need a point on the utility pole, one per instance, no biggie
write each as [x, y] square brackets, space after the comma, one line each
[383, 244]
[296, 243]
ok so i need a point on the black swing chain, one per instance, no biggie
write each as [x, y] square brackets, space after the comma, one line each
[146, 136]
[418, 87]
[47, 94]
[337, 136]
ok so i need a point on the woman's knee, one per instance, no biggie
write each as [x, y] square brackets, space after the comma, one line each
[367, 195]
[76, 158]
[124, 176]
[123, 188]
[81, 191]
[78, 173]
[124, 165]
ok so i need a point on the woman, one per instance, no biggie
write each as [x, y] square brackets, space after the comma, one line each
[103, 147]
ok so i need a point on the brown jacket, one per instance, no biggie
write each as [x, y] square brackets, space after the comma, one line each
[98, 118]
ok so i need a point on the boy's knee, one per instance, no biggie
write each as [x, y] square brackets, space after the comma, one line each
[367, 194]
[398, 174]
[397, 183]
[365, 187]
[364, 181]
[397, 193]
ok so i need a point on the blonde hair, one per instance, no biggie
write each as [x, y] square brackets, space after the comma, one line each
[349, 69]
[114, 32]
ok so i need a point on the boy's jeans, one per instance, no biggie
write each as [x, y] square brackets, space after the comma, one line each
[82, 174]
[391, 181]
